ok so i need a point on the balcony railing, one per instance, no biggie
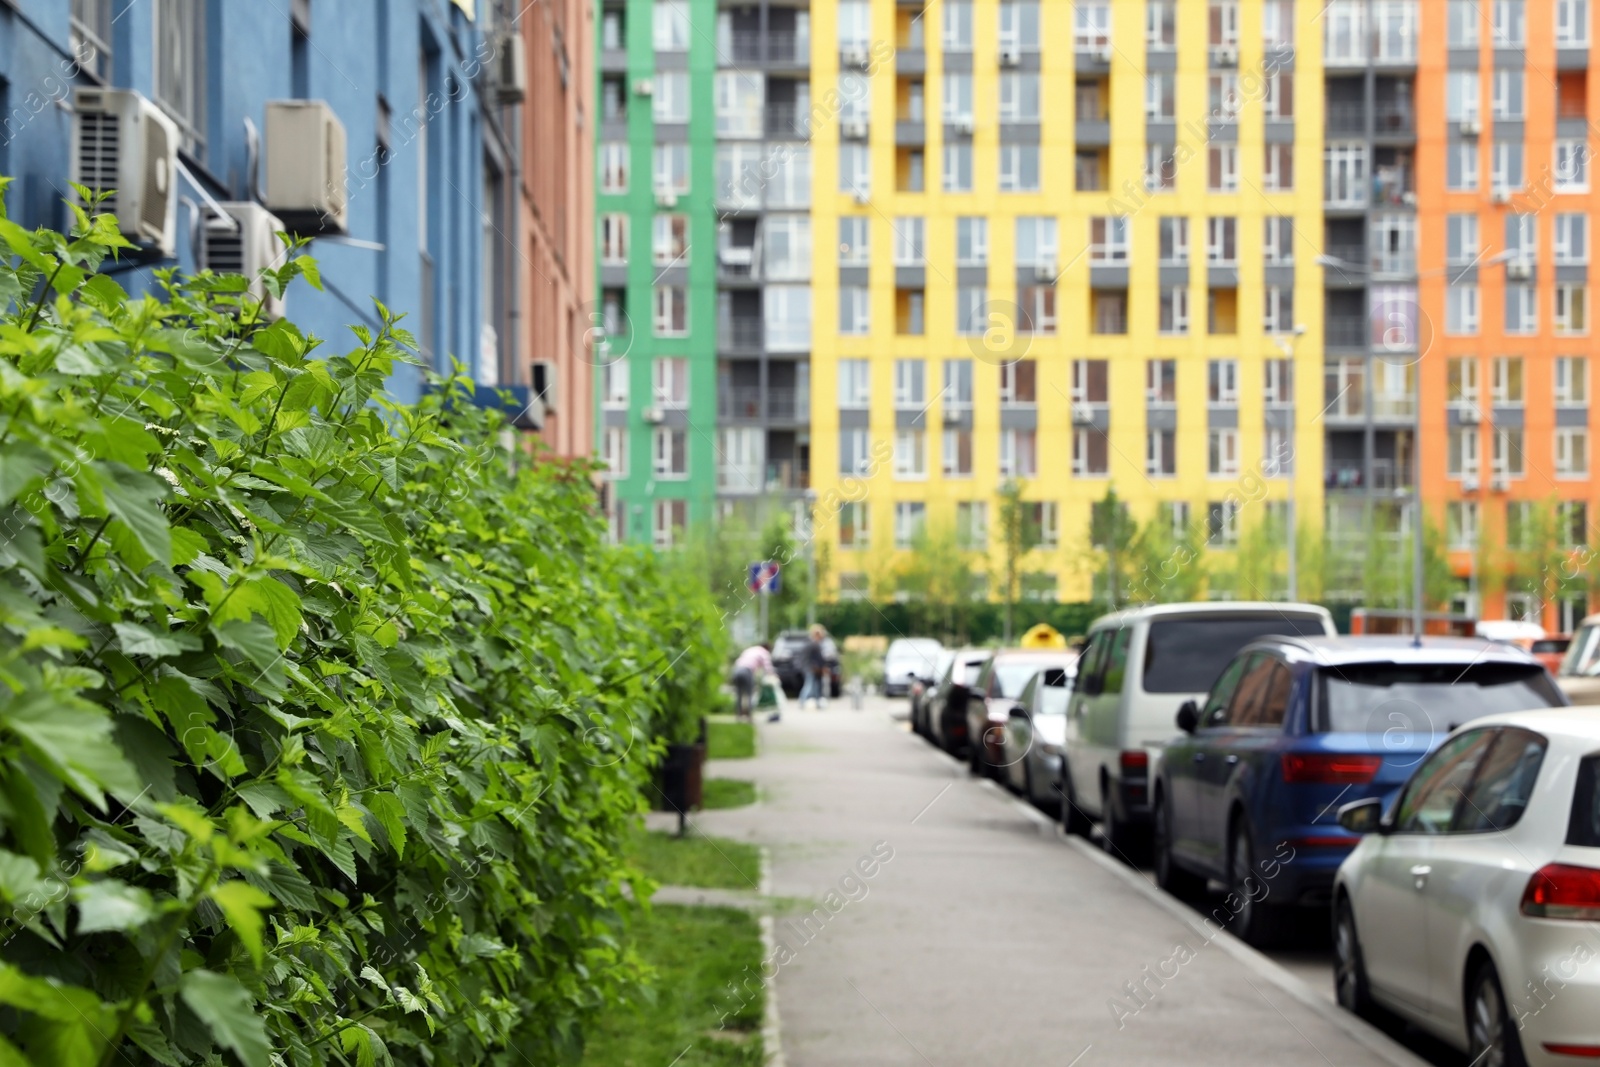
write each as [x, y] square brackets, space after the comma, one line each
[745, 45]
[739, 402]
[1350, 256]
[1345, 331]
[788, 121]
[787, 474]
[787, 404]
[740, 333]
[1389, 407]
[787, 46]
[1393, 120]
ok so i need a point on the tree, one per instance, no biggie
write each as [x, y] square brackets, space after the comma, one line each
[937, 578]
[1112, 531]
[1019, 532]
[1163, 565]
[1540, 551]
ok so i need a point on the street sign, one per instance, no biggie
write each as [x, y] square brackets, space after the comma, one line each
[764, 577]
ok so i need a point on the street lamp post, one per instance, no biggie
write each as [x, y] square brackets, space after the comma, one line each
[1285, 343]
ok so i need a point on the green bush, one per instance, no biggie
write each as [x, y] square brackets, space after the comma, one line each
[322, 718]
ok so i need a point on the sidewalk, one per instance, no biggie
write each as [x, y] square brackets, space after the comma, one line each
[938, 924]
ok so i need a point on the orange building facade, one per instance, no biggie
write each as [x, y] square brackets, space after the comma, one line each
[1504, 209]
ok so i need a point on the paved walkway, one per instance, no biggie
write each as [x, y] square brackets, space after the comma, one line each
[937, 923]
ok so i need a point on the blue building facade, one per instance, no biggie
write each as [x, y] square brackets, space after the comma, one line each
[404, 77]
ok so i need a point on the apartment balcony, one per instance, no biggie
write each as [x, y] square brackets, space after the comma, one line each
[1394, 120]
[739, 333]
[1346, 119]
[1345, 331]
[1394, 408]
[738, 264]
[788, 122]
[739, 403]
[788, 405]
[788, 49]
[787, 475]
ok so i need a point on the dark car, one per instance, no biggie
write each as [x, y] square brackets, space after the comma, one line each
[787, 650]
[921, 691]
[946, 707]
[995, 694]
[1293, 729]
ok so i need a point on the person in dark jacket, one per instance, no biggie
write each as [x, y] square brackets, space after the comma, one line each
[814, 664]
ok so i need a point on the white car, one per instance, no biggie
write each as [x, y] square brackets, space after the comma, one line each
[907, 659]
[1472, 906]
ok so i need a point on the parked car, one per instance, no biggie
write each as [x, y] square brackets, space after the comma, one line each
[1469, 907]
[946, 714]
[1031, 759]
[1579, 674]
[995, 695]
[922, 689]
[906, 659]
[1551, 650]
[786, 651]
[1138, 666]
[1297, 725]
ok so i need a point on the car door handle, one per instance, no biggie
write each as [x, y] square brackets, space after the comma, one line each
[1419, 875]
[1232, 759]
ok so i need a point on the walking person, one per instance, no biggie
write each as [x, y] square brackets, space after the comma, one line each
[749, 671]
[814, 666]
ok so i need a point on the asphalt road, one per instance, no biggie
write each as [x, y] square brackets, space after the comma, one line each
[933, 919]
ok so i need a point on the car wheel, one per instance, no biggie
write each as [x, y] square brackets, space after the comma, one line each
[1116, 836]
[1255, 922]
[1185, 885]
[1491, 1033]
[1073, 820]
[975, 757]
[1349, 969]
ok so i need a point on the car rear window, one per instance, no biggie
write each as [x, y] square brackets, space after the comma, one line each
[1584, 827]
[1014, 675]
[1550, 644]
[1419, 697]
[971, 672]
[1187, 655]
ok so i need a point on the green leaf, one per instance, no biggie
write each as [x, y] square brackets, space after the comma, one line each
[186, 711]
[134, 499]
[225, 1006]
[242, 904]
[254, 639]
[136, 640]
[20, 464]
[390, 813]
[111, 905]
[73, 740]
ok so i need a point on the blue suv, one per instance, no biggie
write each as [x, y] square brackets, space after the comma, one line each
[1295, 728]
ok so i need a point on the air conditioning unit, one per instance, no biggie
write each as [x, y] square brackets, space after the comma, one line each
[863, 197]
[1044, 272]
[1010, 56]
[666, 200]
[124, 145]
[1469, 413]
[857, 57]
[1408, 199]
[952, 414]
[1500, 483]
[737, 255]
[306, 163]
[1500, 196]
[653, 415]
[965, 126]
[1470, 127]
[246, 242]
[1469, 483]
[511, 68]
[1227, 57]
[645, 87]
[1519, 269]
[1082, 413]
[1101, 53]
[855, 129]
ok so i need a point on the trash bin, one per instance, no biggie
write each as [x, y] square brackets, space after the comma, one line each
[680, 778]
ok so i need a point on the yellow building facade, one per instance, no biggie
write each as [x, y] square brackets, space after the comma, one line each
[1083, 376]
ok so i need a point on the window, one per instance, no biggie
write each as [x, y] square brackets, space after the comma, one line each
[1571, 170]
[1461, 310]
[1091, 381]
[1508, 457]
[1173, 235]
[1222, 96]
[1522, 309]
[1461, 239]
[956, 26]
[1019, 25]
[1572, 381]
[1222, 246]
[791, 180]
[671, 311]
[1091, 26]
[1510, 24]
[739, 99]
[1277, 169]
[1019, 383]
[909, 240]
[1090, 452]
[1222, 382]
[1461, 166]
[1461, 452]
[91, 37]
[1571, 239]
[855, 529]
[672, 169]
[615, 376]
[1174, 311]
[669, 102]
[1573, 516]
[1160, 169]
[1108, 239]
[1571, 308]
[855, 310]
[855, 384]
[972, 302]
[670, 382]
[614, 453]
[855, 25]
[1505, 167]
[671, 517]
[1161, 96]
[956, 452]
[1222, 522]
[787, 247]
[855, 242]
[854, 452]
[1277, 24]
[1344, 173]
[671, 452]
[1461, 524]
[1019, 168]
[1277, 454]
[1520, 526]
[1222, 168]
[1461, 23]
[1277, 240]
[1437, 789]
[1461, 96]
[1461, 380]
[670, 240]
[972, 241]
[1572, 23]
[1277, 309]
[786, 315]
[957, 167]
[1161, 25]
[614, 239]
[1572, 452]
[910, 386]
[1161, 382]
[1506, 387]
[1279, 99]
[910, 455]
[1161, 454]
[972, 524]
[1036, 308]
[855, 169]
[855, 96]
[1508, 91]
[957, 391]
[1019, 454]
[1036, 242]
[671, 26]
[956, 100]
[613, 168]
[180, 69]
[909, 518]
[740, 178]
[1019, 96]
[1222, 453]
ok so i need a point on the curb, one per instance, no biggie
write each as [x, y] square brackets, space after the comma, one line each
[771, 1029]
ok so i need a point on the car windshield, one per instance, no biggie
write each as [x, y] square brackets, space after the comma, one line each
[1014, 674]
[1381, 698]
[1583, 828]
[1187, 655]
[971, 670]
[1583, 655]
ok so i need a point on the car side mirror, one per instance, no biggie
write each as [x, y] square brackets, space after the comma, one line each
[1363, 816]
[1018, 711]
[1188, 716]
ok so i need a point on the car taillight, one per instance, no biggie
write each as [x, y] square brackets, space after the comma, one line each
[1582, 1052]
[1329, 768]
[1562, 891]
[1135, 759]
